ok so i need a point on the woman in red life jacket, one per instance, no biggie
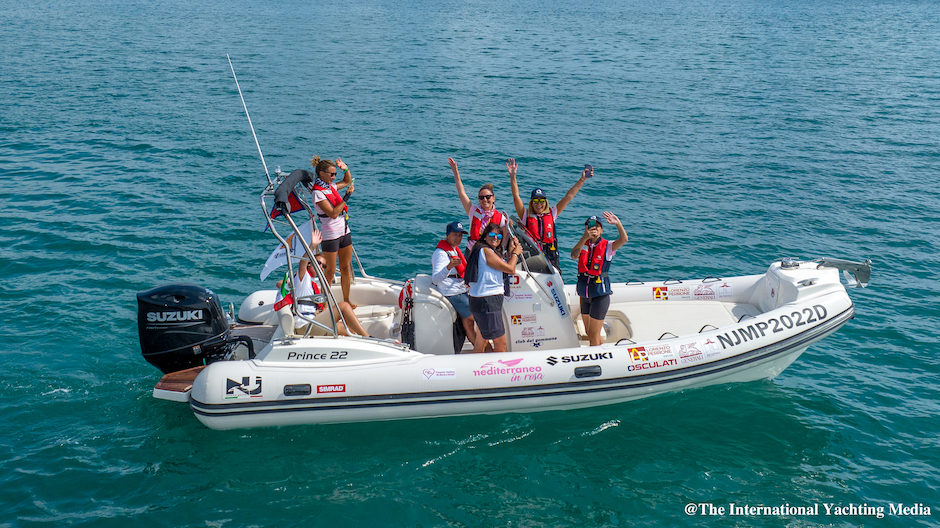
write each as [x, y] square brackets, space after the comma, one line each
[478, 216]
[594, 254]
[334, 220]
[447, 273]
[539, 218]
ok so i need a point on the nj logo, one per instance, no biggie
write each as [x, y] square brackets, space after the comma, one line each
[235, 389]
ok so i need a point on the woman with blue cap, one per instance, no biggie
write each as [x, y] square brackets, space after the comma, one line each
[594, 254]
[448, 266]
[539, 218]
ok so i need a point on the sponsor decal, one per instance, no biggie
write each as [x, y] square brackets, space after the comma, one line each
[759, 329]
[519, 296]
[725, 291]
[430, 373]
[327, 389]
[690, 353]
[711, 348]
[552, 360]
[561, 305]
[638, 355]
[238, 389]
[534, 341]
[515, 282]
[644, 353]
[673, 292]
[704, 292]
[174, 317]
[521, 319]
[651, 365]
[529, 331]
[511, 368]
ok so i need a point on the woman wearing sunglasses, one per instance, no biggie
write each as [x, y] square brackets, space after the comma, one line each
[478, 215]
[539, 218]
[594, 254]
[334, 222]
[485, 273]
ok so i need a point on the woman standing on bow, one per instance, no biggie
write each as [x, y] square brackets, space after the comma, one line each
[539, 217]
[486, 269]
[478, 216]
[594, 254]
[334, 222]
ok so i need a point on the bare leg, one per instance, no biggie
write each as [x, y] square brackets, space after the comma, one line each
[594, 331]
[470, 329]
[345, 270]
[499, 343]
[350, 316]
[329, 266]
[586, 319]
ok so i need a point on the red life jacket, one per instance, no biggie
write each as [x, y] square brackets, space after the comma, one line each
[454, 252]
[332, 196]
[477, 226]
[593, 260]
[542, 227]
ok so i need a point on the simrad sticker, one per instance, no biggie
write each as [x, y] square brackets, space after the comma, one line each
[430, 373]
[327, 389]
[244, 388]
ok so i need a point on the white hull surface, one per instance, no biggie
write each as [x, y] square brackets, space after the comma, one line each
[661, 337]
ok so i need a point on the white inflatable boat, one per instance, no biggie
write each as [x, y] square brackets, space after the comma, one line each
[659, 337]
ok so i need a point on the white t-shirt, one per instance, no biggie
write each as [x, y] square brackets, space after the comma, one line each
[330, 228]
[489, 280]
[445, 280]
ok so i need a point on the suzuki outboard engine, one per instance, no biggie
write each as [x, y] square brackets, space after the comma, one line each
[183, 326]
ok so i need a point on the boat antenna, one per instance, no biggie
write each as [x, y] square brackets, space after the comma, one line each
[249, 120]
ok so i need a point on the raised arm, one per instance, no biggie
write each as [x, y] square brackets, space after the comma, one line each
[613, 220]
[574, 190]
[516, 199]
[461, 193]
[576, 251]
[347, 176]
[494, 261]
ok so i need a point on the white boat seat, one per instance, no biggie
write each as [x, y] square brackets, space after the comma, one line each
[650, 320]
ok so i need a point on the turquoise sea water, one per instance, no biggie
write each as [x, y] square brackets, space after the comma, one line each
[724, 134]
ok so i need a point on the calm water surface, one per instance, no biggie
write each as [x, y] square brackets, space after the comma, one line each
[725, 135]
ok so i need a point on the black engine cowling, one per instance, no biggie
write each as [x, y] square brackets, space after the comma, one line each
[182, 326]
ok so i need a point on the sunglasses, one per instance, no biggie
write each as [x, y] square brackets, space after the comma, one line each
[485, 197]
[497, 236]
[332, 173]
[540, 201]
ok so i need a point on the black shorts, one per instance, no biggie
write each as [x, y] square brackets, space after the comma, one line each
[596, 307]
[488, 314]
[333, 246]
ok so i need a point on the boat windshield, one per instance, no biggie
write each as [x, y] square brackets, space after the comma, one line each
[535, 260]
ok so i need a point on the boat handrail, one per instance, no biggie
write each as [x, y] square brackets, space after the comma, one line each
[290, 265]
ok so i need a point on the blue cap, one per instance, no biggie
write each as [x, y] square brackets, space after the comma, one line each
[595, 219]
[538, 193]
[455, 227]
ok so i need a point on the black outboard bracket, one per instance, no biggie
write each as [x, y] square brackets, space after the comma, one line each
[183, 326]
